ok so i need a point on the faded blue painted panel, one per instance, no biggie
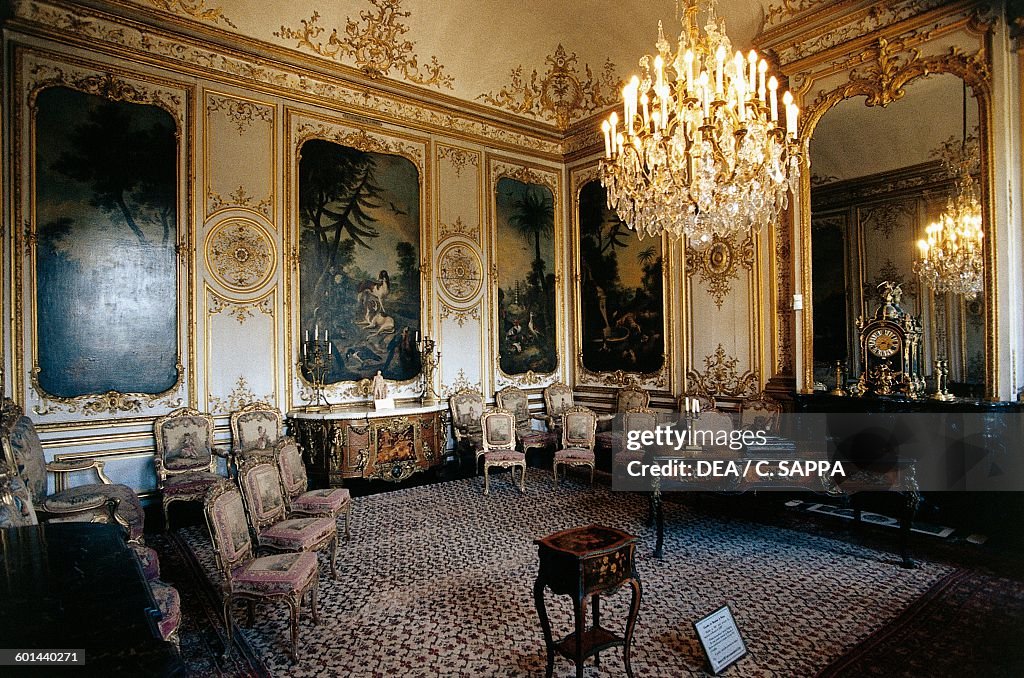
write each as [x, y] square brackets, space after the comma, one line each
[526, 277]
[106, 215]
[359, 253]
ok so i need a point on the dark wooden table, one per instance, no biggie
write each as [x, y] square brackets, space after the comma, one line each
[582, 562]
[77, 586]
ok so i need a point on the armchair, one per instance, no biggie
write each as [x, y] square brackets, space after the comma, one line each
[626, 398]
[499, 443]
[761, 413]
[558, 398]
[260, 484]
[467, 406]
[286, 576]
[579, 429]
[515, 400]
[92, 502]
[185, 457]
[255, 430]
[330, 501]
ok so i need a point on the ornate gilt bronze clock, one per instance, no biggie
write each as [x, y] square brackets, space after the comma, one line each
[890, 348]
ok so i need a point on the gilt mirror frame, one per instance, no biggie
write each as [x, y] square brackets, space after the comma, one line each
[881, 54]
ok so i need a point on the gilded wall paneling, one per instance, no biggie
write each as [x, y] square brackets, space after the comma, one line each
[718, 264]
[301, 127]
[239, 153]
[524, 183]
[240, 254]
[460, 272]
[721, 376]
[37, 72]
[460, 202]
[241, 350]
[628, 330]
[279, 74]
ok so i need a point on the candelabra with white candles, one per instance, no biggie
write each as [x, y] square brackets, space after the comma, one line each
[317, 355]
[429, 359]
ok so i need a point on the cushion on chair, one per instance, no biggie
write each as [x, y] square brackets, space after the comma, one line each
[283, 573]
[609, 438]
[149, 559]
[169, 602]
[323, 502]
[297, 533]
[190, 483]
[129, 508]
[574, 454]
[505, 455]
[536, 438]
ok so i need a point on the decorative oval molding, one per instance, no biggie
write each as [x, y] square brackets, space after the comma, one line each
[240, 254]
[461, 272]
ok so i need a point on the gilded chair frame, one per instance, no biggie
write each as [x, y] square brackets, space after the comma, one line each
[558, 397]
[761, 413]
[500, 450]
[465, 421]
[299, 472]
[165, 471]
[515, 400]
[255, 410]
[571, 426]
[242, 546]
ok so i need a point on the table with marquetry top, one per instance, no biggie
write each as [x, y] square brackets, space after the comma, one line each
[582, 562]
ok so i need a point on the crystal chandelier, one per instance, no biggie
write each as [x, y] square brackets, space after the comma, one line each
[701, 149]
[951, 253]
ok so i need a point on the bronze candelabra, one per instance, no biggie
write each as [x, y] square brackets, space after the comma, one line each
[317, 355]
[942, 381]
[429, 360]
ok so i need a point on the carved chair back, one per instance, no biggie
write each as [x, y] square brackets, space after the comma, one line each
[257, 426]
[292, 469]
[229, 528]
[16, 506]
[630, 398]
[515, 400]
[260, 483]
[184, 442]
[558, 398]
[499, 430]
[760, 413]
[579, 427]
[26, 449]
[467, 407]
[639, 419]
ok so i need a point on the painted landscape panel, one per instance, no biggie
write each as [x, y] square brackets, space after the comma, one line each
[106, 277]
[526, 277]
[359, 253]
[621, 286]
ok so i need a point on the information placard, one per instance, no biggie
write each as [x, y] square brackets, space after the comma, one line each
[720, 638]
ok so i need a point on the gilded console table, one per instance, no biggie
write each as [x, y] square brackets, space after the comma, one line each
[356, 442]
[581, 562]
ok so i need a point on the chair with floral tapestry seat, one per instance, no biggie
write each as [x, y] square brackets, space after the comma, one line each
[302, 501]
[90, 502]
[467, 405]
[499, 445]
[256, 429]
[185, 457]
[558, 398]
[761, 414]
[260, 483]
[626, 398]
[579, 429]
[637, 419]
[515, 400]
[287, 577]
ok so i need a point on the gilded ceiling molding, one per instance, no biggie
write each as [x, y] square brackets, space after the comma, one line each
[239, 397]
[241, 311]
[561, 94]
[374, 44]
[721, 378]
[446, 231]
[719, 263]
[928, 176]
[359, 140]
[197, 9]
[459, 158]
[526, 175]
[461, 272]
[63, 22]
[238, 198]
[111, 402]
[240, 255]
[461, 315]
[241, 112]
[787, 8]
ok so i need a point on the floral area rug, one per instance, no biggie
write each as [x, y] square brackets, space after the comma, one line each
[437, 581]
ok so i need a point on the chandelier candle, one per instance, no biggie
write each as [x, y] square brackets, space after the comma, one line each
[695, 156]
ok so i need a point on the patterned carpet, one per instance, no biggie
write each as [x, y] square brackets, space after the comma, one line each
[437, 581]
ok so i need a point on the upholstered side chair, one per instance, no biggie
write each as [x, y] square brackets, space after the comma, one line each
[185, 457]
[256, 429]
[467, 406]
[499, 445]
[761, 413]
[515, 400]
[626, 398]
[558, 398]
[288, 577]
[90, 502]
[579, 429]
[260, 483]
[331, 501]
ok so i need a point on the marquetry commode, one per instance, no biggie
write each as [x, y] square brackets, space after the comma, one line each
[360, 442]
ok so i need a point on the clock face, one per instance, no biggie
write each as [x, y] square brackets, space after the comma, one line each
[883, 342]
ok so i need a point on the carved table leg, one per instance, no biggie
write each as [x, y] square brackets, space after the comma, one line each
[657, 505]
[580, 611]
[634, 610]
[596, 604]
[545, 625]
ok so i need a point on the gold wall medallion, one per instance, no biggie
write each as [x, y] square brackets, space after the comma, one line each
[374, 43]
[718, 264]
[562, 94]
[461, 272]
[240, 255]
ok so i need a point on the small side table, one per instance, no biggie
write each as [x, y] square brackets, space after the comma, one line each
[581, 562]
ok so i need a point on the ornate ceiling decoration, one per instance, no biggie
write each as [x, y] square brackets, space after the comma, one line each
[197, 9]
[719, 263]
[374, 43]
[562, 94]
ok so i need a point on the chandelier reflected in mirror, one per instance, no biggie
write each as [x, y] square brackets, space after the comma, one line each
[951, 252]
[702, 148]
